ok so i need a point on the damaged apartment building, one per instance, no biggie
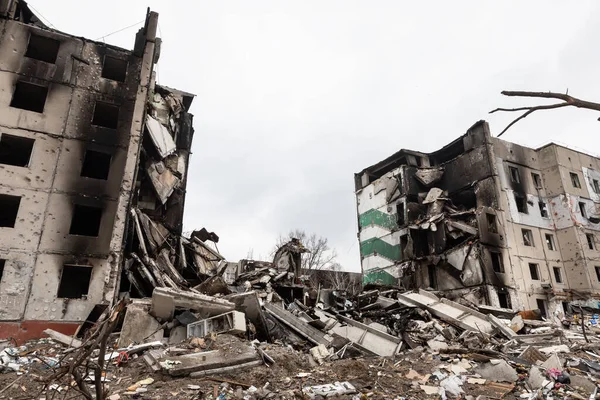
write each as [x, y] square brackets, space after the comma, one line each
[485, 221]
[93, 155]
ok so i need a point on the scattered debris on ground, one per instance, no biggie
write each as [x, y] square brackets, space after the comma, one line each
[251, 331]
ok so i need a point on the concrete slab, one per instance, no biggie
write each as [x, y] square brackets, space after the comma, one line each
[163, 306]
[497, 372]
[536, 378]
[249, 304]
[178, 335]
[139, 326]
[206, 305]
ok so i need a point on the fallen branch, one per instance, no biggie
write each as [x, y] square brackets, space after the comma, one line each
[12, 383]
[96, 341]
[567, 101]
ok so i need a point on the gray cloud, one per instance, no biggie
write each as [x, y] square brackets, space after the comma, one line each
[294, 97]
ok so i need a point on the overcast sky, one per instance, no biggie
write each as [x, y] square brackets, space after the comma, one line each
[295, 97]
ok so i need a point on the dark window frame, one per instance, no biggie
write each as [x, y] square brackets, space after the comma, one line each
[557, 274]
[534, 271]
[527, 235]
[515, 176]
[15, 150]
[550, 241]
[575, 182]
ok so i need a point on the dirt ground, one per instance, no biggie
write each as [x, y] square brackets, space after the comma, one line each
[373, 378]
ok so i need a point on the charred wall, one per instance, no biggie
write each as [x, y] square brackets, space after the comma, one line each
[70, 111]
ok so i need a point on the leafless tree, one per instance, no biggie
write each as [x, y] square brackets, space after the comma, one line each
[320, 255]
[566, 101]
[336, 278]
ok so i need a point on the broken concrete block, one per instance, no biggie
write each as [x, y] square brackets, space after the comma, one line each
[517, 323]
[562, 348]
[206, 305]
[319, 353]
[584, 384]
[553, 362]
[62, 338]
[536, 377]
[178, 334]
[433, 195]
[498, 371]
[437, 345]
[532, 355]
[330, 389]
[429, 390]
[139, 326]
[429, 176]
[231, 322]
[505, 330]
[163, 306]
[232, 352]
[249, 304]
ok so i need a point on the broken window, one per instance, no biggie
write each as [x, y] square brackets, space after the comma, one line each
[114, 69]
[590, 241]
[15, 150]
[2, 262]
[400, 213]
[534, 271]
[74, 281]
[106, 115]
[521, 203]
[96, 164]
[9, 208]
[42, 48]
[86, 220]
[514, 175]
[582, 209]
[537, 180]
[432, 276]
[575, 180]
[491, 223]
[550, 241]
[403, 245]
[596, 186]
[597, 273]
[28, 96]
[527, 237]
[503, 300]
[497, 263]
[543, 209]
[566, 307]
[557, 274]
[400, 184]
[541, 305]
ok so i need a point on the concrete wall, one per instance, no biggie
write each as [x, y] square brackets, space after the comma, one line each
[50, 186]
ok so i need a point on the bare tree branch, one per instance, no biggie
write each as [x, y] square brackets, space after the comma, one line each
[567, 101]
[319, 255]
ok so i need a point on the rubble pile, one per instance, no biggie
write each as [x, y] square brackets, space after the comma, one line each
[253, 330]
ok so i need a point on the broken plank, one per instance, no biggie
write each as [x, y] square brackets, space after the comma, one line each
[505, 330]
[62, 338]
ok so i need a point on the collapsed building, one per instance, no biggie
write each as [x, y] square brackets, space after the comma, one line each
[485, 221]
[92, 151]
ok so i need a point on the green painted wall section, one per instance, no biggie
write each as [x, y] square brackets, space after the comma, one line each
[380, 277]
[382, 248]
[379, 218]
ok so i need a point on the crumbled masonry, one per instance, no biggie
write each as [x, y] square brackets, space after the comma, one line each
[485, 221]
[477, 258]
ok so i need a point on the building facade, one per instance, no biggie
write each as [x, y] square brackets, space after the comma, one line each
[485, 221]
[76, 117]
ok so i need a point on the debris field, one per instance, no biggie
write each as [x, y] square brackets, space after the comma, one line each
[250, 330]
